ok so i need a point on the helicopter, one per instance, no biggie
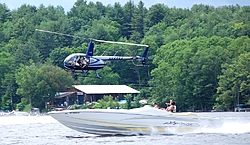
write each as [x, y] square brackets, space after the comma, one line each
[87, 61]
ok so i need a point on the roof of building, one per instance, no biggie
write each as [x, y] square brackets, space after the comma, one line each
[63, 94]
[106, 89]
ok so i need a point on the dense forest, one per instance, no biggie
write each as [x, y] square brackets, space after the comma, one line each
[201, 55]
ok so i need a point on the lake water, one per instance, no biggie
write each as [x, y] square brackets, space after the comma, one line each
[44, 130]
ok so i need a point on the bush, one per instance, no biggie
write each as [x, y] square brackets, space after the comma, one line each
[136, 103]
[106, 102]
[20, 106]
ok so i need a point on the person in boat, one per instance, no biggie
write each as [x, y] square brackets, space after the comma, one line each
[155, 105]
[172, 107]
[169, 104]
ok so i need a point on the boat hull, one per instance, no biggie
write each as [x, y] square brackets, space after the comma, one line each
[129, 122]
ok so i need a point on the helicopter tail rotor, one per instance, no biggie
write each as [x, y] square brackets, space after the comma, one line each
[144, 55]
[143, 58]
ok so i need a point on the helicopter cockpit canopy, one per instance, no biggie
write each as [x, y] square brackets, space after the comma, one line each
[76, 60]
[71, 60]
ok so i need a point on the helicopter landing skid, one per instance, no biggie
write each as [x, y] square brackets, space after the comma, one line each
[85, 74]
[138, 64]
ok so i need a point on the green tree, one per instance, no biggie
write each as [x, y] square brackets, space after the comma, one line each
[6, 60]
[126, 26]
[128, 99]
[187, 72]
[39, 85]
[4, 13]
[10, 99]
[59, 54]
[116, 13]
[138, 22]
[155, 14]
[107, 102]
[234, 83]
[26, 52]
[107, 77]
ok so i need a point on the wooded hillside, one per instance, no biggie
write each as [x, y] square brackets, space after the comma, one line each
[201, 55]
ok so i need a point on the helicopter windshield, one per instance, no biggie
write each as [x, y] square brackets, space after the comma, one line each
[76, 60]
[71, 59]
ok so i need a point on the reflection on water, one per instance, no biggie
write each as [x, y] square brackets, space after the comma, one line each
[32, 130]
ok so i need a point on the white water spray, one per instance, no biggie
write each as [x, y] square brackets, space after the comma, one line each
[7, 120]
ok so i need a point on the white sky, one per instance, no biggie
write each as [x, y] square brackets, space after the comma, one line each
[68, 4]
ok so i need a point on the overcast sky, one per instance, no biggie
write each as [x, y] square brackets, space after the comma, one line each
[68, 4]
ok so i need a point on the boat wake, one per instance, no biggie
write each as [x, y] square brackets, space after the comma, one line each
[228, 127]
[7, 120]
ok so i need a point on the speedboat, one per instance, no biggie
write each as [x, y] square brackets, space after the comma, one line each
[138, 121]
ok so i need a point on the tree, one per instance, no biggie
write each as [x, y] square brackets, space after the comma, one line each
[116, 13]
[108, 77]
[138, 22]
[155, 14]
[10, 99]
[187, 72]
[128, 99]
[234, 84]
[26, 52]
[128, 11]
[189, 46]
[4, 13]
[6, 59]
[59, 54]
[40, 84]
[107, 102]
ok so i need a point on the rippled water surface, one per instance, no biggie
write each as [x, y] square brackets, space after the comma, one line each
[44, 130]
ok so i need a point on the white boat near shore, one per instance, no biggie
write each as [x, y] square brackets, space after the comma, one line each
[14, 113]
[146, 120]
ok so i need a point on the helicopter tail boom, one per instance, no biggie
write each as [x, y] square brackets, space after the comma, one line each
[90, 50]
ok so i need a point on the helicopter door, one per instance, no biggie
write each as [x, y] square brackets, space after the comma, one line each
[85, 61]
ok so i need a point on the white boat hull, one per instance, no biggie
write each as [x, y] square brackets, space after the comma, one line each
[145, 120]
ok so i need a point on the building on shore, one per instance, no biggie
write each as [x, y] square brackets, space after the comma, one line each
[80, 94]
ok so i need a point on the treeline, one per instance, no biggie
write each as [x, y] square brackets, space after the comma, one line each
[200, 55]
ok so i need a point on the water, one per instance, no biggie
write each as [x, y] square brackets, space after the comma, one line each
[44, 130]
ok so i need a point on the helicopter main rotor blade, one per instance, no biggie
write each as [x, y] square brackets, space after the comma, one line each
[103, 41]
[126, 43]
[68, 35]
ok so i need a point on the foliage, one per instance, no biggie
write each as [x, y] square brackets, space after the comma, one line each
[136, 103]
[107, 102]
[128, 99]
[21, 105]
[199, 54]
[234, 84]
[40, 84]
